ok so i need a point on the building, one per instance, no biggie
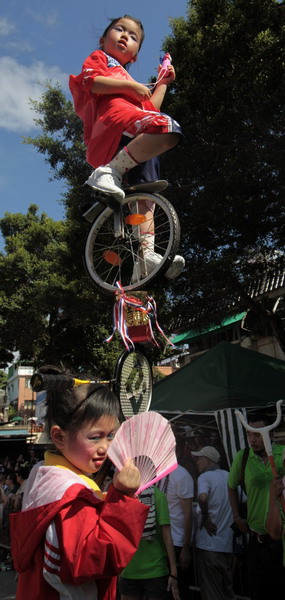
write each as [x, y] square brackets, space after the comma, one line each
[232, 321]
[19, 393]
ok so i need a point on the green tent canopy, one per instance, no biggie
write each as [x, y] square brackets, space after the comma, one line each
[193, 334]
[226, 376]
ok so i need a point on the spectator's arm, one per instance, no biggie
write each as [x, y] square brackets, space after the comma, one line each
[172, 580]
[186, 505]
[209, 525]
[274, 523]
[234, 502]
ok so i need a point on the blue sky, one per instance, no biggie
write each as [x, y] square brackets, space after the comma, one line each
[49, 40]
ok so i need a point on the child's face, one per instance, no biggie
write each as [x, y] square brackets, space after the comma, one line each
[87, 450]
[122, 41]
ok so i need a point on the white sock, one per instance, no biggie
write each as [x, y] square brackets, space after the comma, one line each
[123, 161]
[147, 241]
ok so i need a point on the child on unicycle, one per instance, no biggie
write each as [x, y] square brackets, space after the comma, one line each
[123, 128]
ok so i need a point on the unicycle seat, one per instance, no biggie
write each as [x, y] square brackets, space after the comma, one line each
[147, 186]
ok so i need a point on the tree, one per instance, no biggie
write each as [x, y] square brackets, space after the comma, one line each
[3, 380]
[6, 357]
[228, 176]
[50, 313]
[48, 310]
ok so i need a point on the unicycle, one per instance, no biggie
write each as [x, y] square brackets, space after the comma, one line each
[112, 249]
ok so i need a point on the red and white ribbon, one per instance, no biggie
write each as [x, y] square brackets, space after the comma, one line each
[119, 320]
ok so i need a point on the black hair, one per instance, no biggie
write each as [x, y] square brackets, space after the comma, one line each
[13, 476]
[114, 21]
[70, 409]
[255, 417]
[23, 472]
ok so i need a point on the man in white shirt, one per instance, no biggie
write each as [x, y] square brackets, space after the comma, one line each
[179, 489]
[214, 538]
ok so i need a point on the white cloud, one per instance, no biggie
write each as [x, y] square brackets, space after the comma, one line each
[6, 27]
[48, 18]
[17, 45]
[19, 84]
[6, 40]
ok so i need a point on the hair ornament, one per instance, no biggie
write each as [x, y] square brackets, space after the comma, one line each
[59, 382]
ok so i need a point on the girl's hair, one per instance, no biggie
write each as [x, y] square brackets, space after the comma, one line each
[70, 409]
[114, 21]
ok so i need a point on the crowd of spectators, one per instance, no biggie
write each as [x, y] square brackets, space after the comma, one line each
[13, 477]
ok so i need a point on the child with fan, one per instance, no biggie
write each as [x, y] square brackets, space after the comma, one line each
[124, 129]
[70, 540]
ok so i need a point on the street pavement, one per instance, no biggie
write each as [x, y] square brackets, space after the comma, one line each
[8, 585]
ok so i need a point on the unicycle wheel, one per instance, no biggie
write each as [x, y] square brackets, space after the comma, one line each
[109, 259]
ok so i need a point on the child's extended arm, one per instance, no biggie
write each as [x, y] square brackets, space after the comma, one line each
[160, 90]
[110, 85]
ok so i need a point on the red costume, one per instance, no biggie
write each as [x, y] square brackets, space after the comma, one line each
[107, 117]
[68, 542]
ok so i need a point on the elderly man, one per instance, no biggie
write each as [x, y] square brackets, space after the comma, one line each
[214, 539]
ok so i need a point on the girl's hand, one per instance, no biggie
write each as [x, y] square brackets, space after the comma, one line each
[169, 78]
[128, 479]
[173, 587]
[138, 91]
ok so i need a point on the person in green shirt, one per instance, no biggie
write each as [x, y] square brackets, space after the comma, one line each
[264, 554]
[275, 518]
[152, 571]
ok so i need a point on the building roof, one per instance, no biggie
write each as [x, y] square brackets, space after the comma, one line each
[12, 434]
[270, 284]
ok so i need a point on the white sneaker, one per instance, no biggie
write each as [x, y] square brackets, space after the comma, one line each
[107, 180]
[152, 260]
[176, 267]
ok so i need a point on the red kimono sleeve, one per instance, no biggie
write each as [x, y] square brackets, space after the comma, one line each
[80, 85]
[99, 541]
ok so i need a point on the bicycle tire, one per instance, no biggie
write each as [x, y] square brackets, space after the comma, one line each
[124, 250]
[133, 382]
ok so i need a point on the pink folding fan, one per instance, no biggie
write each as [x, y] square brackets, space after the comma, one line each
[147, 438]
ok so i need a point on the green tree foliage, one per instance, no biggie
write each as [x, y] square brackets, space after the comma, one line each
[228, 175]
[3, 380]
[6, 356]
[49, 312]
